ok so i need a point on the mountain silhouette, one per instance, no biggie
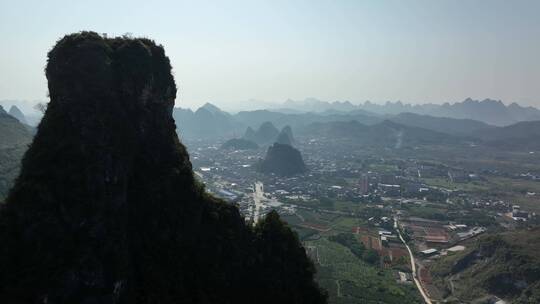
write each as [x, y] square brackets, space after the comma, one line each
[17, 113]
[106, 208]
[265, 134]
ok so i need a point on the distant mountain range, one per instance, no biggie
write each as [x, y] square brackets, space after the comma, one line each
[486, 122]
[522, 135]
[208, 122]
[384, 134]
[424, 131]
[489, 111]
[302, 112]
[261, 126]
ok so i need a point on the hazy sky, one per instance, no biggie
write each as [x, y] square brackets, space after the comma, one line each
[230, 51]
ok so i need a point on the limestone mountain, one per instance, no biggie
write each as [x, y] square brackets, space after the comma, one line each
[285, 136]
[249, 134]
[284, 139]
[14, 140]
[207, 121]
[492, 112]
[300, 120]
[282, 160]
[106, 208]
[288, 130]
[17, 113]
[12, 131]
[265, 134]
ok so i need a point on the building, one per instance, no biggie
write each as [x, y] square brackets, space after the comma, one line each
[364, 184]
[518, 214]
[404, 277]
[428, 252]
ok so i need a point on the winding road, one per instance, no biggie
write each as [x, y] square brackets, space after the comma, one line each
[413, 267]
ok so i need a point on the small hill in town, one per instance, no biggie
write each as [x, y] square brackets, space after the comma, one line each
[239, 144]
[282, 160]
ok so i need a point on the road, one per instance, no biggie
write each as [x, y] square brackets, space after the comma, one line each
[258, 197]
[413, 267]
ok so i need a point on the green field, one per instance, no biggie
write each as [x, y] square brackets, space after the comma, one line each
[447, 184]
[512, 190]
[350, 280]
[347, 278]
[345, 224]
[383, 168]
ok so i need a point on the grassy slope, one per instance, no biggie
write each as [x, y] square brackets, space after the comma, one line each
[357, 281]
[506, 265]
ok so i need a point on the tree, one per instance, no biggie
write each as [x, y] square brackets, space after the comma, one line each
[370, 256]
[284, 267]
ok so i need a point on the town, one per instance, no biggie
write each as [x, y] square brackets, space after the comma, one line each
[385, 200]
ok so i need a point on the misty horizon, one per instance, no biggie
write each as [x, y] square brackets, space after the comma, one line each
[252, 104]
[417, 52]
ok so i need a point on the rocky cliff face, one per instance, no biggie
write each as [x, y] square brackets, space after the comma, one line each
[106, 209]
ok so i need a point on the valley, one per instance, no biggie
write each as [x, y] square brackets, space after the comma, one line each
[372, 185]
[443, 197]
